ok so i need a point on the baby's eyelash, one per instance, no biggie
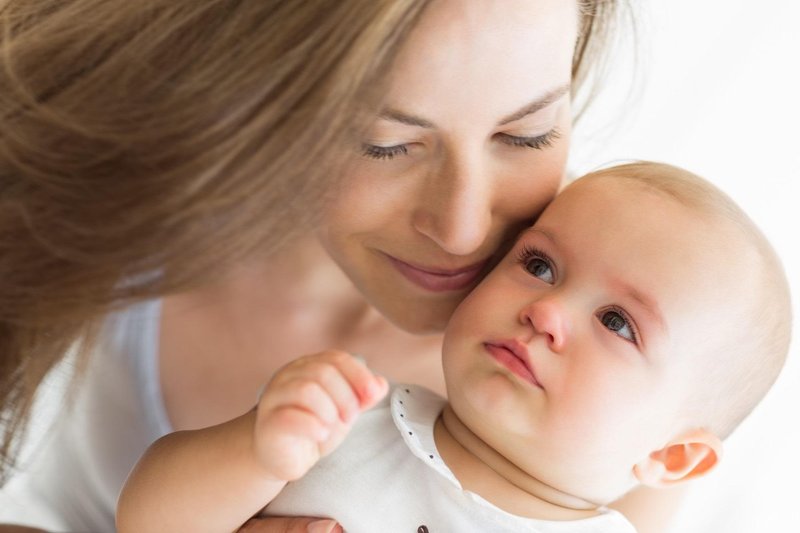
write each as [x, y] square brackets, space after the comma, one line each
[538, 264]
[529, 252]
[626, 318]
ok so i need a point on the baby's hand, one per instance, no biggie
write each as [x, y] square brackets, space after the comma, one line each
[307, 409]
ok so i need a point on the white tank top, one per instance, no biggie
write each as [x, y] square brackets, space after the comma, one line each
[78, 454]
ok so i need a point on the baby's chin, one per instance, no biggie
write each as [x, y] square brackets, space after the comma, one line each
[597, 490]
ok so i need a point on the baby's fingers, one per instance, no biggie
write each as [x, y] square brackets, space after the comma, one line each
[368, 387]
[303, 393]
[349, 384]
[293, 446]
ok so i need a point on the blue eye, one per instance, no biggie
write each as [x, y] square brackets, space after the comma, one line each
[616, 322]
[537, 264]
[383, 152]
[537, 143]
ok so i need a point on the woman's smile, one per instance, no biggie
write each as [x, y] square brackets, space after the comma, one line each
[438, 279]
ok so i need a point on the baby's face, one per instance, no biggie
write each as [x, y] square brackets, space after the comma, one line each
[574, 357]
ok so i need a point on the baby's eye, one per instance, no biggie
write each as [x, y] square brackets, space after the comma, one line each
[539, 268]
[615, 321]
[537, 264]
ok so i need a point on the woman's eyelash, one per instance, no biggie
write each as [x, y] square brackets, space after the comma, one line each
[539, 142]
[383, 152]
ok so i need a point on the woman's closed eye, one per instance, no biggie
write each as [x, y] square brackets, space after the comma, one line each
[537, 142]
[374, 151]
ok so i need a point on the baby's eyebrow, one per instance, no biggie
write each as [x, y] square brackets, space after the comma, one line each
[645, 301]
[533, 229]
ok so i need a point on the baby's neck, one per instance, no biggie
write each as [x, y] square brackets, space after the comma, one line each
[482, 470]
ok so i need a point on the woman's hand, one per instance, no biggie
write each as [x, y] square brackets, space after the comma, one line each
[293, 524]
[307, 409]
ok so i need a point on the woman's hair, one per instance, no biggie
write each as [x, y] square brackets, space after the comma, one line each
[147, 145]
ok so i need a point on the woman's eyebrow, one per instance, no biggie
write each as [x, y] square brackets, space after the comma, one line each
[540, 103]
[404, 118]
[411, 120]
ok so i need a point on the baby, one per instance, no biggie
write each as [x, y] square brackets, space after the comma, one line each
[624, 336]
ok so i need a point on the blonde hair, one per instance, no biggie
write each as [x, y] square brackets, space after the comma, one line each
[731, 386]
[147, 145]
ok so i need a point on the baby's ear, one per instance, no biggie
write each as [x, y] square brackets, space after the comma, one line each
[688, 456]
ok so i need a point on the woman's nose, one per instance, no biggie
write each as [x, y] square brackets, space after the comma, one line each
[548, 317]
[455, 208]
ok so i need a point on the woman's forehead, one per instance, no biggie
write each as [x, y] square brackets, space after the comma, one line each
[484, 57]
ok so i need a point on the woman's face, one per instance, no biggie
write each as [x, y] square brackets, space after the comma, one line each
[469, 147]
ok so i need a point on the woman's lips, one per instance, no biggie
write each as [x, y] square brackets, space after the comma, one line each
[510, 357]
[439, 280]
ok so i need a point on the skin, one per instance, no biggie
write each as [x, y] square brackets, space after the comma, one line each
[445, 186]
[604, 401]
[465, 186]
[611, 327]
[305, 412]
[461, 192]
[334, 288]
[457, 193]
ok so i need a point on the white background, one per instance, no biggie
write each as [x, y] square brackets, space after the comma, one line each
[718, 95]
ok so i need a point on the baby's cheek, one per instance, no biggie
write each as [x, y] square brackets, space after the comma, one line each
[465, 320]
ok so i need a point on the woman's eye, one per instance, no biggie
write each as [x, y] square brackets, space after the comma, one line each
[617, 322]
[539, 142]
[537, 264]
[383, 152]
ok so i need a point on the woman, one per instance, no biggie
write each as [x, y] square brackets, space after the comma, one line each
[287, 176]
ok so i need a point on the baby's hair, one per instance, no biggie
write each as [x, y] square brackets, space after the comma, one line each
[754, 349]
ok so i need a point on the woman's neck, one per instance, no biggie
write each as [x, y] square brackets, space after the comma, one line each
[306, 282]
[483, 470]
[298, 302]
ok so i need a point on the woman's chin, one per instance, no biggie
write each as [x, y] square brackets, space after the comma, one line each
[423, 318]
